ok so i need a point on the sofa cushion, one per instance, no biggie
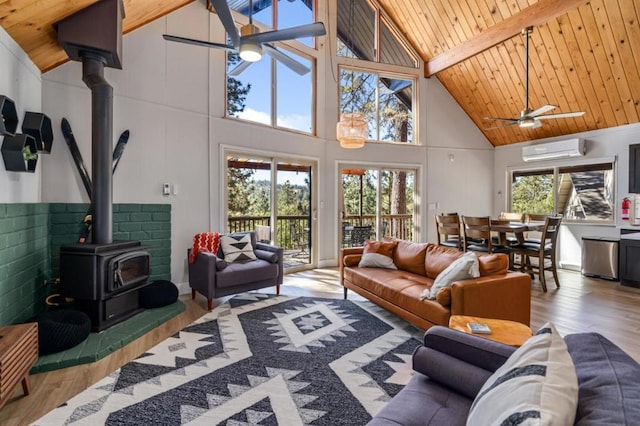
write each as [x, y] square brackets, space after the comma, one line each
[537, 383]
[240, 273]
[237, 248]
[424, 402]
[438, 258]
[493, 264]
[443, 297]
[465, 267]
[609, 381]
[409, 256]
[269, 256]
[378, 254]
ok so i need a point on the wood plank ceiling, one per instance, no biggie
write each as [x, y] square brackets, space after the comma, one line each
[585, 60]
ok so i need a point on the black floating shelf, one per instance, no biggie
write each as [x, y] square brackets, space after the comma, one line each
[38, 125]
[8, 116]
[12, 153]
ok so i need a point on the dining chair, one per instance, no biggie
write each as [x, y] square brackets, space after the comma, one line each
[544, 251]
[534, 236]
[477, 235]
[448, 230]
[359, 234]
[512, 216]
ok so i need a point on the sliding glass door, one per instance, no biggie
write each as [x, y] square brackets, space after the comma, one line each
[273, 196]
[376, 203]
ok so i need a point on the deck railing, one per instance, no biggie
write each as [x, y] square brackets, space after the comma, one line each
[294, 230]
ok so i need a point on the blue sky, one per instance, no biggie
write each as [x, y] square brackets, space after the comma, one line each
[294, 95]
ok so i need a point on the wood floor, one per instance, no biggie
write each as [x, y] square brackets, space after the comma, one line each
[581, 304]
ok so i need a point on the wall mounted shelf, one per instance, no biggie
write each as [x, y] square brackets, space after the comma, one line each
[8, 116]
[38, 125]
[13, 148]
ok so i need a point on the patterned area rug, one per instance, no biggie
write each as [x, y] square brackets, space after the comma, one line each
[259, 359]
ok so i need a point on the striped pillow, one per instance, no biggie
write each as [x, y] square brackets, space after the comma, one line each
[237, 248]
[537, 385]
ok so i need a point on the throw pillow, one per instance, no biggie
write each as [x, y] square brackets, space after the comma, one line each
[536, 385]
[237, 248]
[465, 267]
[378, 254]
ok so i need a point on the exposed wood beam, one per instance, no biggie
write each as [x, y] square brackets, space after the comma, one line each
[538, 14]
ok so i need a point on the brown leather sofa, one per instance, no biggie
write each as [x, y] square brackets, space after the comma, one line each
[497, 293]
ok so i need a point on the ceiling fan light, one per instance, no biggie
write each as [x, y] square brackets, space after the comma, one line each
[352, 130]
[527, 122]
[250, 52]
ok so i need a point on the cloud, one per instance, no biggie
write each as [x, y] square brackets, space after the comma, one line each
[288, 121]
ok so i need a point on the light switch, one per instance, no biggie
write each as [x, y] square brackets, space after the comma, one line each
[166, 189]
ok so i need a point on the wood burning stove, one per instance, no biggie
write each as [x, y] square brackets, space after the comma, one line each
[104, 279]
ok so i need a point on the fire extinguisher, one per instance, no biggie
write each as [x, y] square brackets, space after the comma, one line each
[626, 205]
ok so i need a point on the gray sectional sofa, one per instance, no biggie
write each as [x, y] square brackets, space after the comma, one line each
[453, 366]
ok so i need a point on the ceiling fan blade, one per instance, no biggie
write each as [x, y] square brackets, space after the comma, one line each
[237, 70]
[286, 60]
[503, 125]
[541, 110]
[198, 42]
[561, 115]
[502, 119]
[536, 124]
[224, 13]
[309, 30]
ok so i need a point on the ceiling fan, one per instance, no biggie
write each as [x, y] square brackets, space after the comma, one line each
[528, 117]
[250, 43]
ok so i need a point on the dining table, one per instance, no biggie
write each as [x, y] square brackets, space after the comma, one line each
[516, 228]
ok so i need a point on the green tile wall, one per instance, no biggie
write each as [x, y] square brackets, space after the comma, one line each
[24, 260]
[31, 236]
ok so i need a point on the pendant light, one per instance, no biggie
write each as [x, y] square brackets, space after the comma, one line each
[352, 131]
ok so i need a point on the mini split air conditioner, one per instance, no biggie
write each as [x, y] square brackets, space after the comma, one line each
[552, 150]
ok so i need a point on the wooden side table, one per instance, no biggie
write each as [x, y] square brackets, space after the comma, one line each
[18, 353]
[508, 332]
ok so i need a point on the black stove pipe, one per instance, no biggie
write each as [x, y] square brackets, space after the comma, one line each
[101, 137]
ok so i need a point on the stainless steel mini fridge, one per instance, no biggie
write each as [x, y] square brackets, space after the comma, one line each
[600, 257]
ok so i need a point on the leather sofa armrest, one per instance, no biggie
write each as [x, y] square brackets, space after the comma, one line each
[458, 360]
[506, 296]
[278, 251]
[348, 251]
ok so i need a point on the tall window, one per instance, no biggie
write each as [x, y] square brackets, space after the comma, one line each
[364, 32]
[279, 89]
[385, 101]
[386, 98]
[582, 193]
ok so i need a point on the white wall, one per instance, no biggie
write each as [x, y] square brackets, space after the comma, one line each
[601, 144]
[171, 97]
[460, 160]
[20, 81]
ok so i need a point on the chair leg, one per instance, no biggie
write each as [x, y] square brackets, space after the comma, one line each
[193, 293]
[541, 275]
[345, 293]
[278, 290]
[209, 304]
[555, 273]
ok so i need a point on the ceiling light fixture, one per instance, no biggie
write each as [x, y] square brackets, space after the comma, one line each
[352, 131]
[250, 52]
[527, 122]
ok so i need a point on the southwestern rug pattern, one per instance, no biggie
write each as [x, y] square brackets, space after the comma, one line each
[259, 359]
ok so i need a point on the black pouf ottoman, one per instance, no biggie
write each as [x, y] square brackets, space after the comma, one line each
[157, 294]
[60, 330]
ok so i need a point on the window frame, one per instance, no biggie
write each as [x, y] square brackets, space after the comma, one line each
[390, 71]
[310, 53]
[556, 168]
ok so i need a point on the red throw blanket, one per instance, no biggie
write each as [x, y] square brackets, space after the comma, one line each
[204, 242]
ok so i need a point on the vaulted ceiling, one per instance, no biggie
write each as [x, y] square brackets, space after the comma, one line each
[587, 58]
